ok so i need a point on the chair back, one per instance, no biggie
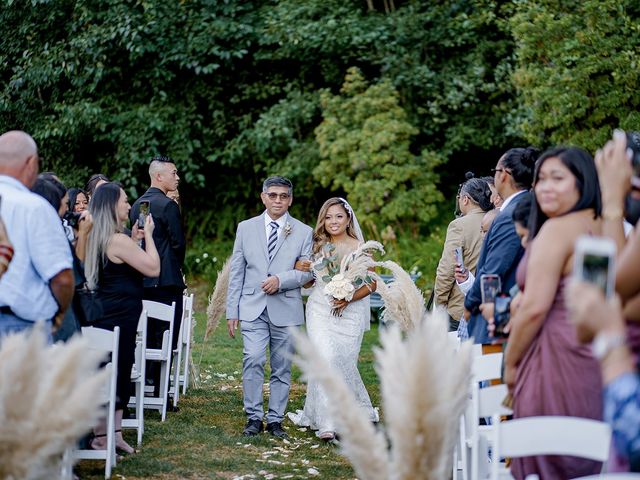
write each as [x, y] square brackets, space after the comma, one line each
[549, 435]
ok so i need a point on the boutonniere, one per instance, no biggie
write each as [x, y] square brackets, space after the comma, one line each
[287, 229]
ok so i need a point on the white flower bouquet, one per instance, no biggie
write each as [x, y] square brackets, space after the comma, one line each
[353, 272]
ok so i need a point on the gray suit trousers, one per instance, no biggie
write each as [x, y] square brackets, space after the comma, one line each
[256, 336]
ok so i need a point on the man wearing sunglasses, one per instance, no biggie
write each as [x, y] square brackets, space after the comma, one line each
[264, 298]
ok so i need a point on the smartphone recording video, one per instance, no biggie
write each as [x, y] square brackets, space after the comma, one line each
[459, 259]
[490, 287]
[594, 262]
[143, 213]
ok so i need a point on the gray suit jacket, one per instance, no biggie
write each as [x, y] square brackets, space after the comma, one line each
[250, 266]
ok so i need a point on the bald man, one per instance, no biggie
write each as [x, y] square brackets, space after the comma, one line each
[38, 285]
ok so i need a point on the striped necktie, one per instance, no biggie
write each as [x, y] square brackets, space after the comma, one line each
[273, 239]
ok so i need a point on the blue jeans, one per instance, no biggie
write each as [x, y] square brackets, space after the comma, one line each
[10, 323]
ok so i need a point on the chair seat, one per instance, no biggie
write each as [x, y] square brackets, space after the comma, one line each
[156, 355]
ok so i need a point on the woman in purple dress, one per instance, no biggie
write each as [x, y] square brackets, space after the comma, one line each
[547, 370]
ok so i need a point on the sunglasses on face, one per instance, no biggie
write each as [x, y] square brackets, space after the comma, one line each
[274, 196]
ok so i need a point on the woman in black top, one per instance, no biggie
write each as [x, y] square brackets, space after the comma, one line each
[115, 266]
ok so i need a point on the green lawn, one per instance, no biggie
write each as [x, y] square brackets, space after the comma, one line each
[203, 440]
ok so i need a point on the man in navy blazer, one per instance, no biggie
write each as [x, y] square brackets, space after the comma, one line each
[501, 250]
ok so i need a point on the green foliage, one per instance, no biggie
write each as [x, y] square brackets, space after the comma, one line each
[204, 259]
[365, 142]
[231, 90]
[577, 74]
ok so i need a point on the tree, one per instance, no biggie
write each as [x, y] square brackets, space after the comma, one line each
[365, 142]
[577, 73]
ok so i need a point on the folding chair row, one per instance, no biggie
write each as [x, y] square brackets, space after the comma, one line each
[164, 313]
[182, 352]
[138, 378]
[105, 341]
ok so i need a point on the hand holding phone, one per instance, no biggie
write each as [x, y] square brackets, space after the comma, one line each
[143, 213]
[490, 286]
[594, 262]
[459, 259]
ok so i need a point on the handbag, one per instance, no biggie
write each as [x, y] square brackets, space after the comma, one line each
[90, 306]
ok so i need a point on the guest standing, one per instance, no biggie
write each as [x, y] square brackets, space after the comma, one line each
[546, 368]
[501, 250]
[38, 284]
[168, 286]
[464, 233]
[115, 265]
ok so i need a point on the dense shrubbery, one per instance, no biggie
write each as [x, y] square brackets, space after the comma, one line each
[235, 90]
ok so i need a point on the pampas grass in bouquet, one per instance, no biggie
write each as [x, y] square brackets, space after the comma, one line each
[423, 385]
[50, 396]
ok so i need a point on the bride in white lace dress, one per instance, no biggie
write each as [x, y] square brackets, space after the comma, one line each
[336, 327]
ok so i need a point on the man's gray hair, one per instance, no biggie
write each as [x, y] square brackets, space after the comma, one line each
[277, 181]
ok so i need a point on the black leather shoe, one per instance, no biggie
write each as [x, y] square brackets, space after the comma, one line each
[253, 427]
[275, 429]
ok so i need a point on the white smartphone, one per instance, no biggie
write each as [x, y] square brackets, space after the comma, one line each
[490, 286]
[594, 262]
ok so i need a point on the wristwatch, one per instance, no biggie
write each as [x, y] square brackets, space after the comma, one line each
[604, 342]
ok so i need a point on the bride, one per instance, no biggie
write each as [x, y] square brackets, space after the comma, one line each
[336, 327]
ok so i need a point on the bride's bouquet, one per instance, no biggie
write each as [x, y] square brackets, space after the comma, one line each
[343, 280]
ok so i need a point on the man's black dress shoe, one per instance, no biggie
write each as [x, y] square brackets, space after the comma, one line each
[275, 429]
[253, 427]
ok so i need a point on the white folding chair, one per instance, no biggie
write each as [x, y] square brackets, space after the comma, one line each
[483, 403]
[612, 476]
[138, 377]
[164, 313]
[179, 352]
[187, 329]
[105, 341]
[548, 435]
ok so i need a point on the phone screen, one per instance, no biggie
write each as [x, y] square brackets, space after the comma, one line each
[143, 212]
[595, 269]
[459, 260]
[489, 287]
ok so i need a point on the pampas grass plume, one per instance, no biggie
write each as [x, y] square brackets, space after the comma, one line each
[218, 299]
[50, 396]
[365, 447]
[403, 301]
[423, 385]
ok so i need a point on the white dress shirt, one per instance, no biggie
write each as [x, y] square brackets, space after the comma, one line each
[282, 221]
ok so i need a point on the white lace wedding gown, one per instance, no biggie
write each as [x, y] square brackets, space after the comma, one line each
[339, 340]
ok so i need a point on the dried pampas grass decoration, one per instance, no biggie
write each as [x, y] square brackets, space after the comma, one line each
[423, 385]
[403, 300]
[50, 396]
[365, 447]
[218, 299]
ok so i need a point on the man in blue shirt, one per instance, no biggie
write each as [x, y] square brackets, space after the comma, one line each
[38, 285]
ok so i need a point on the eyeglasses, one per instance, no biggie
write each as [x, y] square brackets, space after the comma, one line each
[274, 196]
[494, 170]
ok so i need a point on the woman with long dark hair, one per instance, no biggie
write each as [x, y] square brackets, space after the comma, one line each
[547, 370]
[335, 327]
[115, 266]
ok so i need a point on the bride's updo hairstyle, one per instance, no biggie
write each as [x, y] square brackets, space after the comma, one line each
[320, 235]
[477, 189]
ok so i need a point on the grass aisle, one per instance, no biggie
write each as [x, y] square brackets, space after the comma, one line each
[203, 440]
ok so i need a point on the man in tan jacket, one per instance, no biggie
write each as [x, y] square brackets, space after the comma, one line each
[464, 233]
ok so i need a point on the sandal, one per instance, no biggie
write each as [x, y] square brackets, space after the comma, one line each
[122, 446]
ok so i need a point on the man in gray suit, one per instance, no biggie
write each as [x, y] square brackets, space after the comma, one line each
[264, 297]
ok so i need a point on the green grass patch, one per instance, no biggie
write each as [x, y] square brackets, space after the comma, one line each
[203, 439]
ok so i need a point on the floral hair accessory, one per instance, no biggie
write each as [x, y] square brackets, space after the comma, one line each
[346, 206]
